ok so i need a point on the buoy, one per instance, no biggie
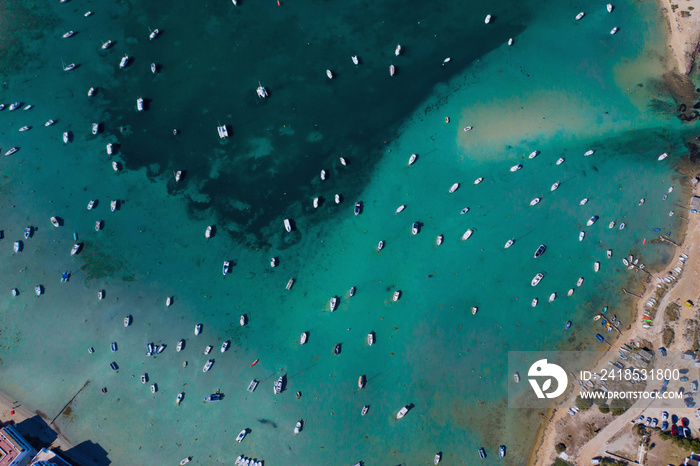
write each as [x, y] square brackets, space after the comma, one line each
[447, 119]
[278, 3]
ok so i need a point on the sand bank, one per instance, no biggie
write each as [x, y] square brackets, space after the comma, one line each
[683, 17]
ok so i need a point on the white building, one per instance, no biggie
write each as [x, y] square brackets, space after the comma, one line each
[48, 458]
[14, 450]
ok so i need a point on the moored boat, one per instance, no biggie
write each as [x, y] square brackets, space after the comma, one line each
[278, 385]
[540, 250]
[76, 247]
[552, 297]
[397, 51]
[533, 154]
[659, 158]
[534, 302]
[609, 7]
[592, 220]
[214, 397]
[49, 123]
[224, 346]
[15, 105]
[227, 267]
[358, 208]
[517, 167]
[414, 228]
[392, 70]
[437, 458]
[54, 222]
[207, 350]
[38, 290]
[355, 60]
[178, 400]
[110, 148]
[380, 246]
[334, 303]
[478, 180]
[207, 232]
[66, 137]
[467, 234]
[208, 365]
[370, 338]
[243, 320]
[579, 282]
[516, 377]
[198, 329]
[402, 412]
[583, 201]
[399, 209]
[361, 382]
[611, 225]
[474, 310]
[365, 408]
[329, 73]
[560, 160]
[154, 68]
[439, 240]
[614, 30]
[337, 198]
[107, 45]
[487, 20]
[303, 338]
[315, 203]
[596, 266]
[287, 225]
[453, 188]
[113, 205]
[261, 91]
[180, 345]
[581, 235]
[502, 451]
[154, 33]
[187, 459]
[535, 201]
[412, 159]
[290, 283]
[124, 61]
[139, 104]
[580, 15]
[95, 128]
[537, 279]
[570, 292]
[241, 436]
[23, 129]
[67, 68]
[396, 296]
[115, 166]
[622, 226]
[127, 320]
[608, 253]
[555, 186]
[509, 243]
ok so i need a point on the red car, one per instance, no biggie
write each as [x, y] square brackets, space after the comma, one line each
[674, 430]
[684, 422]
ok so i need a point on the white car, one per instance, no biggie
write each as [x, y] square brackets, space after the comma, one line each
[647, 422]
[664, 416]
[640, 419]
[654, 422]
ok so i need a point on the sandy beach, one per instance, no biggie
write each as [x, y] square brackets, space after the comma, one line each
[684, 33]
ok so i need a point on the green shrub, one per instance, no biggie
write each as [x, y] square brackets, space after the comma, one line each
[605, 409]
[583, 403]
[559, 447]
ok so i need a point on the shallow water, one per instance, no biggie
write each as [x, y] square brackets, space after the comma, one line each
[564, 87]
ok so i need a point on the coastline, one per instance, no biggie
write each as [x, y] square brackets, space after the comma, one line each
[683, 34]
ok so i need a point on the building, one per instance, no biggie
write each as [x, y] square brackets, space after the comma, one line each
[695, 202]
[14, 450]
[48, 458]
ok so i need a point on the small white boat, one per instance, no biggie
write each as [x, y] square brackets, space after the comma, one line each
[538, 278]
[179, 346]
[87, 13]
[467, 128]
[474, 310]
[224, 346]
[115, 166]
[17, 246]
[337, 198]
[579, 282]
[168, 301]
[402, 412]
[534, 302]
[510, 41]
[412, 159]
[243, 320]
[622, 226]
[186, 460]
[370, 338]
[14, 106]
[178, 175]
[609, 7]
[414, 228]
[570, 292]
[124, 61]
[298, 426]
[552, 297]
[273, 262]
[580, 15]
[467, 234]
[614, 30]
[516, 377]
[207, 232]
[91, 92]
[154, 33]
[95, 128]
[76, 247]
[261, 91]
[100, 295]
[535, 201]
[662, 156]
[323, 175]
[287, 225]
[625, 261]
[139, 104]
[315, 203]
[23, 129]
[397, 295]
[509, 243]
[583, 201]
[107, 45]
[241, 436]
[15, 292]
[334, 303]
[588, 152]
[641, 201]
[560, 160]
[302, 339]
[68, 68]
[67, 34]
[113, 205]
[464, 211]
[127, 321]
[98, 225]
[446, 60]
[596, 266]
[208, 365]
[37, 290]
[329, 73]
[54, 222]
[198, 329]
[400, 209]
[439, 240]
[343, 162]
[208, 349]
[608, 253]
[66, 138]
[517, 167]
[110, 149]
[478, 180]
[581, 235]
[49, 123]
[355, 60]
[453, 188]
[178, 400]
[144, 378]
[670, 189]
[397, 52]
[392, 70]
[555, 186]
[592, 220]
[380, 246]
[487, 20]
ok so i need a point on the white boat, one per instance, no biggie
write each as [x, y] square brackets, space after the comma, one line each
[179, 346]
[241, 436]
[37, 290]
[446, 60]
[207, 232]
[27, 107]
[315, 203]
[67, 34]
[625, 261]
[609, 7]
[15, 291]
[662, 156]
[87, 13]
[414, 228]
[402, 412]
[370, 338]
[611, 225]
[198, 329]
[144, 378]
[68, 67]
[343, 162]
[454, 188]
[397, 52]
[100, 295]
[614, 30]
[287, 225]
[154, 33]
[467, 234]
[478, 180]
[361, 382]
[186, 460]
[303, 338]
[323, 175]
[273, 262]
[400, 209]
[439, 240]
[14, 106]
[261, 91]
[91, 92]
[65, 137]
[583, 201]
[533, 154]
[392, 70]
[329, 73]
[154, 388]
[592, 220]
[622, 226]
[178, 400]
[113, 205]
[570, 292]
[54, 222]
[227, 267]
[207, 366]
[95, 128]
[608, 253]
[596, 266]
[334, 303]
[380, 246]
[355, 60]
[412, 159]
[107, 45]
[580, 15]
[552, 297]
[127, 321]
[98, 225]
[243, 320]
[124, 61]
[535, 201]
[509, 243]
[537, 279]
[474, 310]
[554, 186]
[115, 166]
[581, 235]
[467, 128]
[298, 426]
[139, 104]
[223, 131]
[224, 346]
[487, 20]
[110, 148]
[588, 152]
[76, 247]
[560, 160]
[23, 129]
[337, 198]
[534, 302]
[579, 282]
[641, 201]
[517, 167]
[208, 349]
[49, 123]
[17, 246]
[510, 41]
[397, 295]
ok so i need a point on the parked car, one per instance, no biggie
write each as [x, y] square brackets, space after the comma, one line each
[647, 422]
[654, 422]
[664, 425]
[664, 416]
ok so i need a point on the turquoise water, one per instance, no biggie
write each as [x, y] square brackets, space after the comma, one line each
[564, 87]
